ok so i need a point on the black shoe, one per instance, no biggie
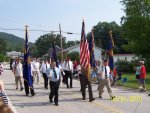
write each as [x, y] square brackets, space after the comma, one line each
[71, 87]
[21, 89]
[92, 99]
[46, 88]
[148, 94]
[33, 94]
[27, 94]
[56, 104]
[83, 98]
[51, 101]
[100, 96]
[16, 88]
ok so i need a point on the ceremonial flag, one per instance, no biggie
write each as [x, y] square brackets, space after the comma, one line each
[27, 63]
[54, 54]
[84, 52]
[91, 49]
[110, 51]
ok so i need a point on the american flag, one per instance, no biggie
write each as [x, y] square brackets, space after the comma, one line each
[84, 50]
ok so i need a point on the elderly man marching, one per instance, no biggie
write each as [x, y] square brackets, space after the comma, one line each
[17, 69]
[105, 80]
[54, 76]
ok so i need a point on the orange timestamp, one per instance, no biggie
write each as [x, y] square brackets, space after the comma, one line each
[127, 99]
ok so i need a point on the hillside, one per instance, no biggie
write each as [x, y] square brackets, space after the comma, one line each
[14, 43]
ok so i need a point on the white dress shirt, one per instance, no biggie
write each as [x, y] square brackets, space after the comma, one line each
[68, 66]
[51, 74]
[18, 69]
[103, 71]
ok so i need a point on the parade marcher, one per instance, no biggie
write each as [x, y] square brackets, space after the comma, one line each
[105, 80]
[36, 73]
[137, 73]
[85, 81]
[54, 82]
[79, 75]
[68, 68]
[142, 76]
[26, 85]
[75, 72]
[17, 69]
[43, 69]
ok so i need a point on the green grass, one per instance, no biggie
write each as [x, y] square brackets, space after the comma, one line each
[132, 81]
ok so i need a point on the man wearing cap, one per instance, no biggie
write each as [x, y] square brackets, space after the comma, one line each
[105, 80]
[142, 76]
[54, 82]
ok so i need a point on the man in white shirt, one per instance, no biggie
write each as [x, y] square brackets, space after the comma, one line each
[104, 75]
[43, 69]
[68, 68]
[36, 66]
[54, 78]
[17, 69]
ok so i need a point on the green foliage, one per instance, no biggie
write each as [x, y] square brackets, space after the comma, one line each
[2, 58]
[3, 46]
[74, 56]
[44, 43]
[137, 26]
[101, 35]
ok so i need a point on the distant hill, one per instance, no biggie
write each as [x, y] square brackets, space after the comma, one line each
[14, 43]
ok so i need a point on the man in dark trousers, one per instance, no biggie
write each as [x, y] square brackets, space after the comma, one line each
[26, 84]
[85, 81]
[68, 68]
[54, 76]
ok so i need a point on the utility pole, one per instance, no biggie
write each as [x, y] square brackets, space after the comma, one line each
[61, 43]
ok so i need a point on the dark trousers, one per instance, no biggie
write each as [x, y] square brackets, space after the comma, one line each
[26, 86]
[68, 75]
[54, 87]
[84, 83]
[45, 80]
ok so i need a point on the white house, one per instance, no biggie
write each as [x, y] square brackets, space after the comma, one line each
[97, 51]
[127, 57]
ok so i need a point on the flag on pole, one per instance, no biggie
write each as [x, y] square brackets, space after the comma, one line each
[91, 49]
[84, 53]
[54, 54]
[110, 51]
[27, 63]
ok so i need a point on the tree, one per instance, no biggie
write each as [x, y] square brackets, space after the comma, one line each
[44, 43]
[137, 26]
[101, 35]
[3, 46]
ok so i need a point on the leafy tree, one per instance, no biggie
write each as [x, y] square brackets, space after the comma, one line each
[3, 46]
[44, 43]
[137, 26]
[101, 35]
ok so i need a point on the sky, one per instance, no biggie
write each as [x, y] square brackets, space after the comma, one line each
[46, 15]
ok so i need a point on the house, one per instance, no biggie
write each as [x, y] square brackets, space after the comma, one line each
[76, 48]
[14, 54]
[126, 57]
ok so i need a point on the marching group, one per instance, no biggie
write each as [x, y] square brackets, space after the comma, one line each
[54, 73]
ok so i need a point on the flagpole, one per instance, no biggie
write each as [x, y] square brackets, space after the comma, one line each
[61, 43]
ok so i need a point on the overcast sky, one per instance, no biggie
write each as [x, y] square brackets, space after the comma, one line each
[47, 14]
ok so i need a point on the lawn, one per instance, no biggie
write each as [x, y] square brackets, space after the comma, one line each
[132, 82]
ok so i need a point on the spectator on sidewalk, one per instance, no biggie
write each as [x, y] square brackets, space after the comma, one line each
[142, 76]
[137, 73]
[1, 68]
[4, 105]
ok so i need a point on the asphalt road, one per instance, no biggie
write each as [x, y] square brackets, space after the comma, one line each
[70, 100]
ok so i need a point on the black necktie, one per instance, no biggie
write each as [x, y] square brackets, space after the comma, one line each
[55, 75]
[68, 65]
[105, 72]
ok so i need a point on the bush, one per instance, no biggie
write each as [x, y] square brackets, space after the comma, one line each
[2, 58]
[125, 66]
